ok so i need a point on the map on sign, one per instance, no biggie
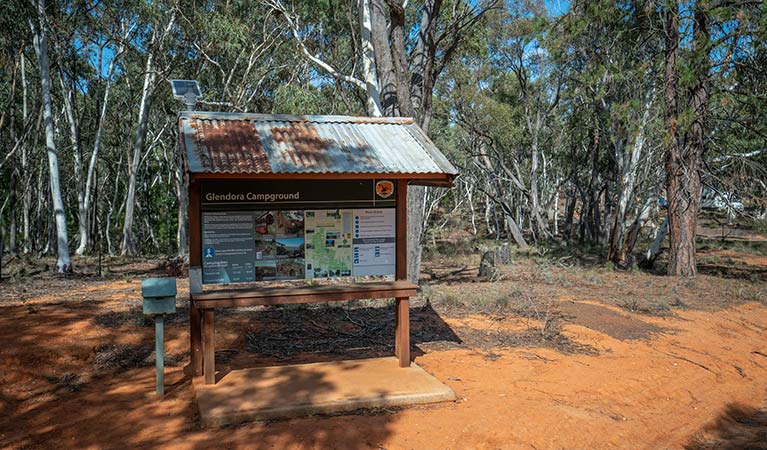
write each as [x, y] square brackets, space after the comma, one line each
[328, 243]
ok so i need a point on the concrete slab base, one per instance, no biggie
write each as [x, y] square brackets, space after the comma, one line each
[318, 388]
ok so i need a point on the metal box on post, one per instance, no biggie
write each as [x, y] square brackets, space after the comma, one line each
[159, 295]
[159, 299]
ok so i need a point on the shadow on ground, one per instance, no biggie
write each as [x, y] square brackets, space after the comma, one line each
[738, 427]
[294, 334]
[71, 382]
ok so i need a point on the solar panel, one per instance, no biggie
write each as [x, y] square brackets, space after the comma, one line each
[183, 87]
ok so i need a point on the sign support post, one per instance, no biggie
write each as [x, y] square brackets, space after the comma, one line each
[195, 261]
[402, 333]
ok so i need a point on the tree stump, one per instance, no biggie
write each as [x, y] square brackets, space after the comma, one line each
[487, 265]
[498, 255]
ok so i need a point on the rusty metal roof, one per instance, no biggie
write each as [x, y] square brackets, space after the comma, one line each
[238, 143]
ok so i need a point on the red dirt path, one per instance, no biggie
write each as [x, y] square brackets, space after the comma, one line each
[676, 385]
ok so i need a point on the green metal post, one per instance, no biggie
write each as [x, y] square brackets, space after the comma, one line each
[159, 352]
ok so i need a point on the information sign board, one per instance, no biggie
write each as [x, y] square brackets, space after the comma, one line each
[258, 230]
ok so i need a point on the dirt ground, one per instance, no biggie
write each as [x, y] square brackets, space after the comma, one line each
[559, 352]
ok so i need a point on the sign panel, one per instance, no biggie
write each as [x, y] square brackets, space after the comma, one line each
[374, 242]
[230, 195]
[328, 236]
[279, 251]
[228, 247]
[257, 230]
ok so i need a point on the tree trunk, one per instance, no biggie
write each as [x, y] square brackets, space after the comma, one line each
[623, 257]
[150, 73]
[369, 60]
[128, 246]
[416, 195]
[63, 263]
[85, 236]
[654, 250]
[384, 64]
[182, 192]
[626, 188]
[535, 208]
[74, 138]
[684, 154]
[12, 213]
[26, 199]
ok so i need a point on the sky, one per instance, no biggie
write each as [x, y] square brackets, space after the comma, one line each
[557, 7]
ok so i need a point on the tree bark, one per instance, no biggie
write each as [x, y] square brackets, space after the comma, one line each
[685, 147]
[74, 138]
[26, 198]
[654, 250]
[369, 59]
[182, 184]
[626, 188]
[534, 126]
[623, 257]
[63, 263]
[384, 64]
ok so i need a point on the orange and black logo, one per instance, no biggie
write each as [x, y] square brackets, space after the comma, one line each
[384, 189]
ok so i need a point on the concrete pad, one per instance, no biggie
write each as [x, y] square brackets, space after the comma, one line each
[318, 388]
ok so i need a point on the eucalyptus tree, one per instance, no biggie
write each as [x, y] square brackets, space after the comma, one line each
[161, 25]
[704, 42]
[411, 46]
[39, 26]
[18, 121]
[536, 86]
[609, 53]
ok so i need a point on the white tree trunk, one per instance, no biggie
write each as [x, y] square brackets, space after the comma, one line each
[628, 181]
[87, 198]
[535, 209]
[654, 249]
[369, 60]
[27, 197]
[416, 196]
[128, 246]
[150, 74]
[74, 138]
[182, 235]
[63, 263]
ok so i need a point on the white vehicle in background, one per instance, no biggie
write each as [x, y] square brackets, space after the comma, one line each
[720, 201]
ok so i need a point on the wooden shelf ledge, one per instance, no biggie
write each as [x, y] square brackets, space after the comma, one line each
[229, 298]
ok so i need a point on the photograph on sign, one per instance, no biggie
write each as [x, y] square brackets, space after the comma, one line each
[279, 245]
[289, 244]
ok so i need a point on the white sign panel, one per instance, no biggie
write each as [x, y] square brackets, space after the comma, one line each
[373, 249]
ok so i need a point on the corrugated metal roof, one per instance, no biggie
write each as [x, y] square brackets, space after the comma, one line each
[238, 143]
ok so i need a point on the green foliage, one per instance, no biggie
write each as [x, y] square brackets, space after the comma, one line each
[578, 85]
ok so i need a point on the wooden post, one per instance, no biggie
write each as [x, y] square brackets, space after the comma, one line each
[195, 258]
[402, 333]
[209, 349]
[195, 336]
